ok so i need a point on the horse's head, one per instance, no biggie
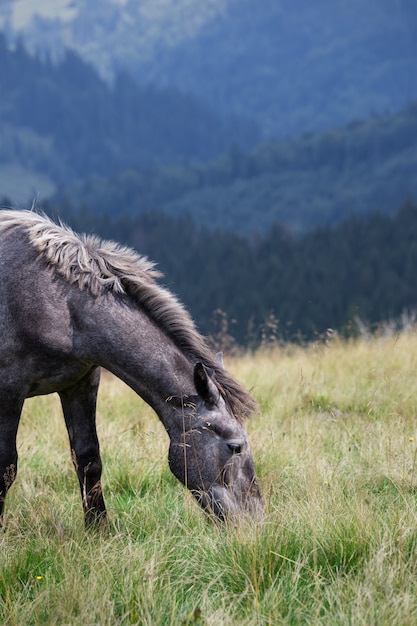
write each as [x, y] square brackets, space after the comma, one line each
[210, 454]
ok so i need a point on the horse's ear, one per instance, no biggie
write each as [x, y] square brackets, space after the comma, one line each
[220, 360]
[204, 385]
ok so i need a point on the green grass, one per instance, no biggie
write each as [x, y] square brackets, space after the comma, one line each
[335, 445]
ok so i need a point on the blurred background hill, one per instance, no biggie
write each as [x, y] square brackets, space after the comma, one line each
[293, 66]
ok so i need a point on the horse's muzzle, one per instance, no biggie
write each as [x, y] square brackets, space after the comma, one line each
[224, 504]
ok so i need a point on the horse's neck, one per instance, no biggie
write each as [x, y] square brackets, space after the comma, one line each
[130, 345]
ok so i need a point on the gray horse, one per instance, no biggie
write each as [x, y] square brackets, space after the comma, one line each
[71, 304]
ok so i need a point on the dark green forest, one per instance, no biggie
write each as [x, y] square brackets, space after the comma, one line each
[299, 183]
[295, 65]
[63, 120]
[276, 285]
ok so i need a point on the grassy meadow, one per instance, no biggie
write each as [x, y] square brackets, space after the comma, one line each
[335, 446]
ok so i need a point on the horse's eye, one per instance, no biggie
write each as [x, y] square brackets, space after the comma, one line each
[234, 447]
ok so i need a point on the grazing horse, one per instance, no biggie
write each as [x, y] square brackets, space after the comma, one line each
[71, 304]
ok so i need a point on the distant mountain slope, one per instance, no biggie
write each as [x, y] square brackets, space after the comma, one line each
[297, 65]
[107, 32]
[300, 183]
[64, 122]
[292, 65]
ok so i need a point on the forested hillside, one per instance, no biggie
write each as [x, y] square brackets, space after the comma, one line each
[298, 65]
[131, 149]
[65, 122]
[299, 183]
[292, 65]
[279, 285]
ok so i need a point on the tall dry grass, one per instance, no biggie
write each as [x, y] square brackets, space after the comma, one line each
[335, 445]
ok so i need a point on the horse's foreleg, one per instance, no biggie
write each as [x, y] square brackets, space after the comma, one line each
[10, 410]
[79, 406]
[8, 472]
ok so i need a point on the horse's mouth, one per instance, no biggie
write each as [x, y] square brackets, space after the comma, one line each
[221, 503]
